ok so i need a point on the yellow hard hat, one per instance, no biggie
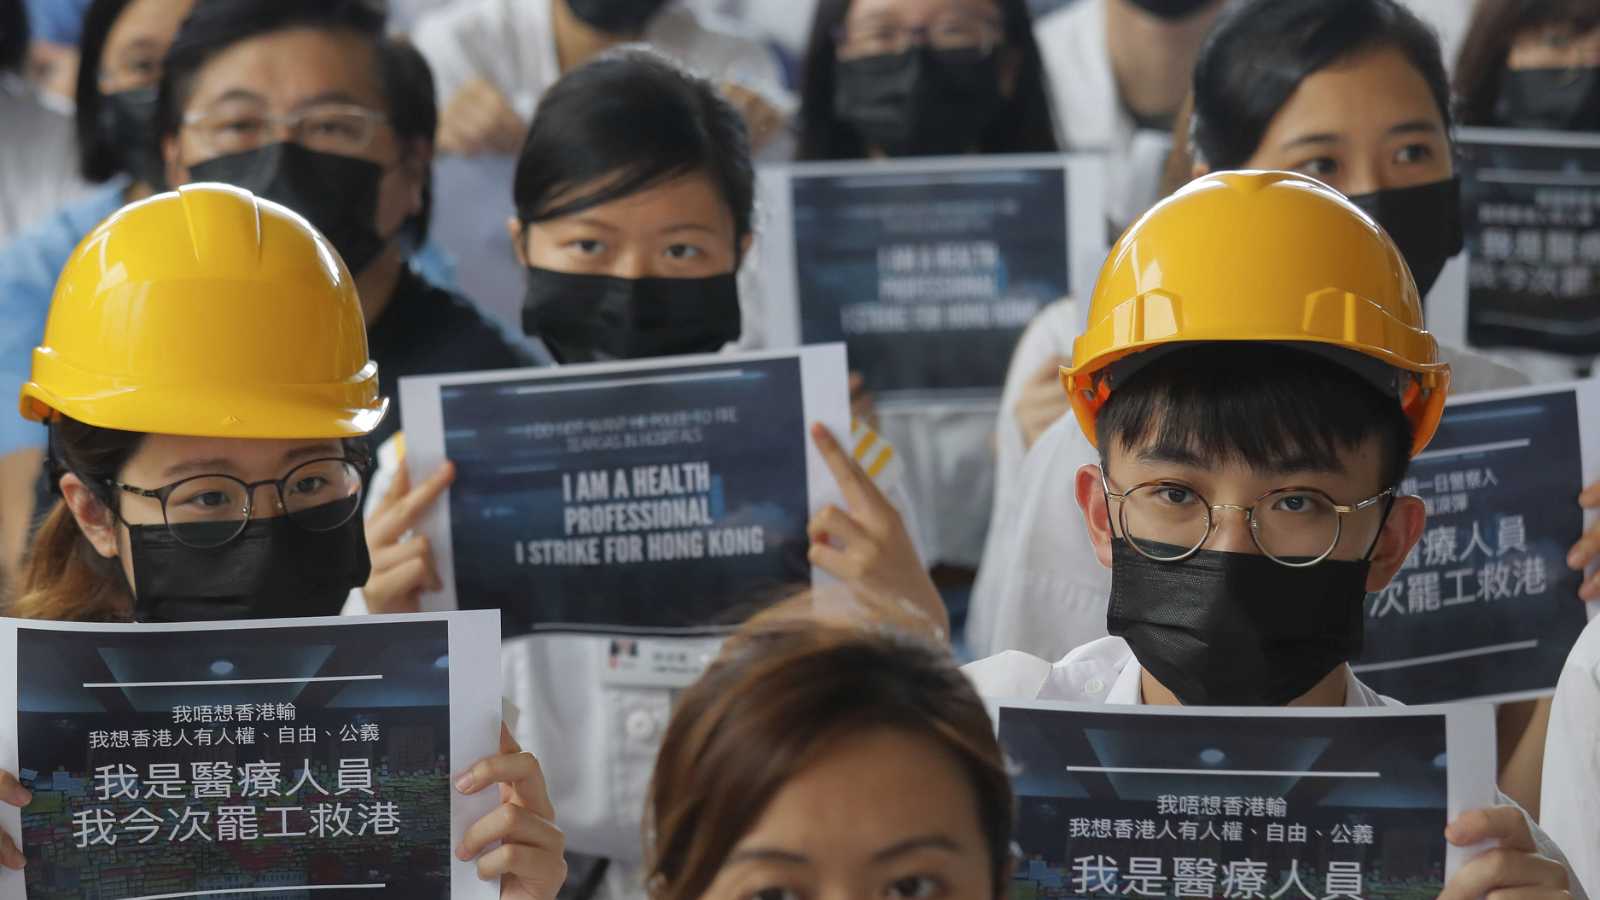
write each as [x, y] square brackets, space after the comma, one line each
[1265, 257]
[207, 312]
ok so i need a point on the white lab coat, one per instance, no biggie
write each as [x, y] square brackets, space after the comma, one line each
[1041, 589]
[594, 731]
[1572, 759]
[1106, 671]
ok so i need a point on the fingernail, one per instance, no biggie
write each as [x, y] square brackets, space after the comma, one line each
[464, 783]
[461, 853]
[1572, 560]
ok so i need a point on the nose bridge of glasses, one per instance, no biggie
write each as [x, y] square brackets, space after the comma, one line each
[273, 506]
[1233, 534]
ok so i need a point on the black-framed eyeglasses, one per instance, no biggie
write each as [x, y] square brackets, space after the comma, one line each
[1169, 521]
[208, 511]
[962, 35]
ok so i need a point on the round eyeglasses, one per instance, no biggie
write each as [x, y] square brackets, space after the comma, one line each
[1169, 521]
[208, 511]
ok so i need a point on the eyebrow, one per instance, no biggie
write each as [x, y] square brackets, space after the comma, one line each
[210, 466]
[333, 96]
[923, 842]
[1416, 126]
[768, 854]
[1321, 137]
[592, 222]
[689, 226]
[1166, 454]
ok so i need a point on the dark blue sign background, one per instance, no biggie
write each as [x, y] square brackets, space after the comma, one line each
[1486, 593]
[1206, 806]
[929, 279]
[732, 435]
[1532, 217]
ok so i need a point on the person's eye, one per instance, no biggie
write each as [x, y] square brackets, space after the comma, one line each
[1413, 153]
[145, 68]
[310, 484]
[587, 246]
[1174, 495]
[1299, 504]
[240, 127]
[916, 887]
[684, 252]
[1321, 167]
[205, 500]
[774, 893]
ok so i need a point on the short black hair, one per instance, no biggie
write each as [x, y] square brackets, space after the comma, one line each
[637, 119]
[14, 35]
[1270, 407]
[215, 25]
[1026, 125]
[1260, 50]
[99, 157]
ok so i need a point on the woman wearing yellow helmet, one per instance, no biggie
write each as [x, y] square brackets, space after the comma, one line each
[205, 378]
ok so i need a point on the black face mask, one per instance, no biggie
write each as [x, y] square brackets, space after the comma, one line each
[584, 318]
[1424, 222]
[1172, 10]
[1559, 99]
[273, 569]
[128, 122]
[919, 103]
[338, 194]
[1236, 629]
[625, 17]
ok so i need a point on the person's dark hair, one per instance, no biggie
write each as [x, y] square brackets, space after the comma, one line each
[63, 577]
[1495, 26]
[1024, 126]
[631, 119]
[215, 25]
[733, 743]
[14, 35]
[99, 158]
[1260, 50]
[413, 113]
[1270, 407]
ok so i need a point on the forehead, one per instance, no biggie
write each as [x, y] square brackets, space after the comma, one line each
[1359, 97]
[688, 199]
[290, 67]
[156, 20]
[249, 456]
[919, 9]
[868, 792]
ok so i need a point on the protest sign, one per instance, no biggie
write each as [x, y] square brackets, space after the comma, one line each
[928, 269]
[664, 495]
[269, 756]
[1485, 605]
[1328, 804]
[1531, 211]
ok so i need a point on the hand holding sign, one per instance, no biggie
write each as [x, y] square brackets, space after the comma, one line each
[528, 859]
[12, 792]
[403, 567]
[1042, 401]
[1587, 550]
[1513, 869]
[867, 546]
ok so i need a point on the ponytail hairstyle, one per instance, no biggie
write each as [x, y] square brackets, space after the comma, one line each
[64, 577]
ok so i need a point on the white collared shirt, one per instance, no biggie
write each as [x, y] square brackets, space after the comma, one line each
[1106, 671]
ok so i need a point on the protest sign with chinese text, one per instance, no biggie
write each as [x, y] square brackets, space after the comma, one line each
[664, 494]
[1327, 804]
[1485, 605]
[1531, 211]
[261, 756]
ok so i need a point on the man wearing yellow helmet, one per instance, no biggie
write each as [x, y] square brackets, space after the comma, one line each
[206, 382]
[1256, 377]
